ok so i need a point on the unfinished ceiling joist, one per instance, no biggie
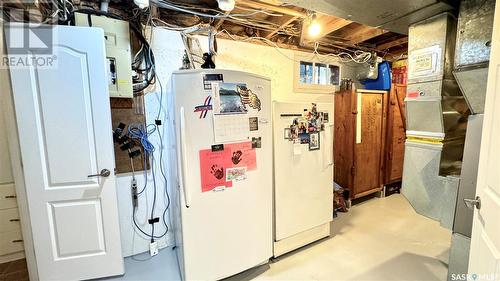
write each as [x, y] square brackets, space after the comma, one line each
[287, 24]
[285, 21]
[269, 7]
[398, 53]
[364, 33]
[394, 43]
[330, 24]
[219, 23]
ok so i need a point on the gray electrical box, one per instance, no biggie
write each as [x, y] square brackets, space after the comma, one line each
[118, 53]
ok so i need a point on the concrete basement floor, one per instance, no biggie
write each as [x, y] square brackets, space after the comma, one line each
[379, 239]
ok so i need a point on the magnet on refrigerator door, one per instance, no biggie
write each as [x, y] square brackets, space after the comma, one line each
[304, 138]
[257, 142]
[229, 99]
[314, 141]
[253, 123]
[248, 97]
[325, 117]
[208, 79]
[205, 107]
[236, 174]
[288, 134]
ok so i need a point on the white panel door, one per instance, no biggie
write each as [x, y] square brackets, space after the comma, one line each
[303, 183]
[64, 126]
[484, 259]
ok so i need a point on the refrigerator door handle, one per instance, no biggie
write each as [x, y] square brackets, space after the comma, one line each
[187, 196]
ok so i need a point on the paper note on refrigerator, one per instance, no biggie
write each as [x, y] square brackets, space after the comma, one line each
[243, 155]
[230, 128]
[236, 174]
[213, 166]
[297, 148]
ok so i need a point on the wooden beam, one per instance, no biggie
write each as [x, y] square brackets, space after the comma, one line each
[272, 2]
[285, 21]
[265, 6]
[399, 52]
[364, 33]
[219, 23]
[393, 43]
[330, 24]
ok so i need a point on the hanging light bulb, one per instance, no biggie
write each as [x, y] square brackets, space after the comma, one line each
[226, 5]
[314, 28]
[142, 4]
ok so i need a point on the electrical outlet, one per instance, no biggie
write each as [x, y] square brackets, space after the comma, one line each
[153, 248]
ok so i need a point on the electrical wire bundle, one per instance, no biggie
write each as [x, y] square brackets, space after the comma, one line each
[142, 133]
[143, 64]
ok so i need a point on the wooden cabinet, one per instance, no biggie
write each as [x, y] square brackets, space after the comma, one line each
[396, 135]
[359, 143]
[11, 240]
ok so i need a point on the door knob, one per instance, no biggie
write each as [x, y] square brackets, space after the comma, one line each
[471, 203]
[103, 173]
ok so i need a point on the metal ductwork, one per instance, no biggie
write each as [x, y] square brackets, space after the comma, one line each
[392, 15]
[436, 107]
[436, 120]
[472, 55]
[475, 27]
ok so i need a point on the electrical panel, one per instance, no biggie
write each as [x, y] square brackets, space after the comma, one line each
[118, 52]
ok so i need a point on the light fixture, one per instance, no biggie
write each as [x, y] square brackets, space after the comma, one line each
[226, 5]
[314, 28]
[142, 4]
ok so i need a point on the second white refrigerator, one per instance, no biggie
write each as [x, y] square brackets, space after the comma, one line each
[303, 174]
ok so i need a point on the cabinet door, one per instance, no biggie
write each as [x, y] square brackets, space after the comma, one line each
[343, 143]
[369, 143]
[5, 170]
[396, 135]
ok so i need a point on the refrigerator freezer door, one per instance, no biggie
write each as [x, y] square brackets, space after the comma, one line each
[223, 231]
[303, 191]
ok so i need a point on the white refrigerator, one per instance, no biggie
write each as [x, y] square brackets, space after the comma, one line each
[303, 175]
[221, 171]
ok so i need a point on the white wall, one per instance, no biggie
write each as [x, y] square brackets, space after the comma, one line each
[267, 61]
[169, 50]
